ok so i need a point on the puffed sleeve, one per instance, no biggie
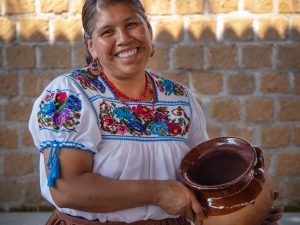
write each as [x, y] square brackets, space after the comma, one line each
[63, 117]
[198, 133]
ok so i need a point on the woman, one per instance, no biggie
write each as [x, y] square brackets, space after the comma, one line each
[112, 135]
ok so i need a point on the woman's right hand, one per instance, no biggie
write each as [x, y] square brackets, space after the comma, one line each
[176, 199]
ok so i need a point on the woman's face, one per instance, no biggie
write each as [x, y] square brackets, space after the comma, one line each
[121, 40]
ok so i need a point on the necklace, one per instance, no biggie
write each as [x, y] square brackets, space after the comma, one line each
[120, 94]
[123, 97]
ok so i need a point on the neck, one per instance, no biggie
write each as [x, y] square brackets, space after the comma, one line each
[133, 86]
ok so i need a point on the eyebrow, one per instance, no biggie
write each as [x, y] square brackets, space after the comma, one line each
[126, 20]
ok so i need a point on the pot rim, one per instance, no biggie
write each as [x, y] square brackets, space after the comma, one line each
[186, 180]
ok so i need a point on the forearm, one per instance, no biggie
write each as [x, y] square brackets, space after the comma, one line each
[94, 193]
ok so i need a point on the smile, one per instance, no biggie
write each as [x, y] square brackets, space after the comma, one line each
[127, 54]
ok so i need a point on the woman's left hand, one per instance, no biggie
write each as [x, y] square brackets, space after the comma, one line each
[275, 213]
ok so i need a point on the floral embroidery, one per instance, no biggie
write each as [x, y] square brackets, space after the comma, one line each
[58, 110]
[87, 80]
[168, 87]
[142, 121]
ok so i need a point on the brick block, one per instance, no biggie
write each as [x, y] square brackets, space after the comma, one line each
[297, 83]
[1, 56]
[8, 137]
[27, 138]
[8, 84]
[207, 83]
[56, 56]
[289, 109]
[288, 56]
[222, 6]
[292, 191]
[8, 29]
[34, 29]
[213, 131]
[241, 84]
[258, 6]
[157, 7]
[240, 132]
[50, 6]
[238, 29]
[69, 29]
[225, 110]
[18, 110]
[289, 6]
[77, 6]
[160, 60]
[203, 29]
[222, 56]
[274, 83]
[34, 83]
[21, 57]
[288, 163]
[31, 191]
[275, 28]
[188, 6]
[188, 57]
[179, 78]
[296, 135]
[259, 110]
[257, 56]
[169, 30]
[295, 28]
[18, 164]
[80, 53]
[274, 136]
[10, 190]
[19, 6]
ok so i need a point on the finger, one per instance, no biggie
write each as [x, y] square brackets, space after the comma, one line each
[196, 207]
[274, 217]
[276, 195]
[278, 209]
[189, 214]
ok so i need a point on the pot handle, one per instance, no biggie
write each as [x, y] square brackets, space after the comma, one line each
[259, 165]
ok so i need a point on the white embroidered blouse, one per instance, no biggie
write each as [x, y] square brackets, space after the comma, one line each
[79, 110]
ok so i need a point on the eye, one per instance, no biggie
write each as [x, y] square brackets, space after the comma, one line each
[132, 24]
[107, 33]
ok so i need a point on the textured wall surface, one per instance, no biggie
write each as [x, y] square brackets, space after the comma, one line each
[241, 58]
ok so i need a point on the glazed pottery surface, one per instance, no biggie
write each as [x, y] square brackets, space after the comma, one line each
[228, 178]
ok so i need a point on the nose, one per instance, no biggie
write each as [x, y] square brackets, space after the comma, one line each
[124, 37]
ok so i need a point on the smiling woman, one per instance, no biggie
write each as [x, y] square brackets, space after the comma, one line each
[112, 135]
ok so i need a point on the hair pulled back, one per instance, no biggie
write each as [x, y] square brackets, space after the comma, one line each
[89, 11]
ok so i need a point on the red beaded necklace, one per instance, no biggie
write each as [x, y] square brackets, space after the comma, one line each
[123, 97]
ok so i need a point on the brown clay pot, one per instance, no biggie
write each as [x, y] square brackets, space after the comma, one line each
[228, 178]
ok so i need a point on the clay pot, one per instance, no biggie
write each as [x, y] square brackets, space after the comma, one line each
[228, 178]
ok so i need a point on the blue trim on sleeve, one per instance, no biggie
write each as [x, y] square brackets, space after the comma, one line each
[53, 163]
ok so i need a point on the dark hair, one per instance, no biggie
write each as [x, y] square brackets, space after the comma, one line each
[89, 11]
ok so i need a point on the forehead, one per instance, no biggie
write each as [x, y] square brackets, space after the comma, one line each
[114, 14]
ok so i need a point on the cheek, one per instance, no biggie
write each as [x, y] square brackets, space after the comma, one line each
[104, 46]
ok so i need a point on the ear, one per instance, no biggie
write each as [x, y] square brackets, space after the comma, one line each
[91, 48]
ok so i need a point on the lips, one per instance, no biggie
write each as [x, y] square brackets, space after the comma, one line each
[127, 54]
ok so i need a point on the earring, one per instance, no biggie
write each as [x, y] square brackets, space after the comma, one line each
[152, 51]
[93, 67]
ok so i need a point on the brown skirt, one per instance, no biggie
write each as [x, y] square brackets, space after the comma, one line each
[59, 218]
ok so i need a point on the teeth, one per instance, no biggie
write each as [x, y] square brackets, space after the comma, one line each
[127, 54]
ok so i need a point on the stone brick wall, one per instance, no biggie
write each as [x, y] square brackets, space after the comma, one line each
[241, 58]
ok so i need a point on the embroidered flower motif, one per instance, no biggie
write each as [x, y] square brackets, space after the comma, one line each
[88, 81]
[59, 111]
[141, 120]
[159, 129]
[168, 87]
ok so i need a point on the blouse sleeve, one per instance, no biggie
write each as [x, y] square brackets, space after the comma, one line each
[63, 117]
[198, 133]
